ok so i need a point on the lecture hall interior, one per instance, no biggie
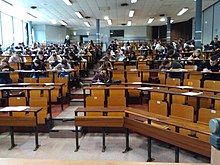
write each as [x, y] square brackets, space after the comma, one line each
[100, 82]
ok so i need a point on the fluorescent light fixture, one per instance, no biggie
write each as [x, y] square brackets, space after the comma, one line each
[31, 15]
[74, 33]
[129, 23]
[7, 2]
[150, 20]
[131, 13]
[109, 22]
[172, 20]
[133, 1]
[53, 21]
[87, 24]
[78, 14]
[182, 11]
[106, 18]
[87, 33]
[63, 22]
[162, 19]
[67, 2]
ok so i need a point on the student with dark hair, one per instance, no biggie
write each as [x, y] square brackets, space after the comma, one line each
[5, 77]
[168, 65]
[64, 66]
[101, 76]
[212, 65]
[38, 66]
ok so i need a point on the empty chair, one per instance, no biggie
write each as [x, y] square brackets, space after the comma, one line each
[65, 86]
[162, 77]
[205, 115]
[14, 76]
[158, 107]
[183, 112]
[217, 104]
[195, 75]
[17, 101]
[116, 92]
[40, 102]
[45, 80]
[116, 102]
[191, 82]
[29, 80]
[173, 81]
[157, 95]
[143, 65]
[118, 75]
[94, 102]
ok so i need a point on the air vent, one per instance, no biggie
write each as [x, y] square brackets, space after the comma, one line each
[33, 7]
[123, 24]
[87, 17]
[162, 15]
[124, 4]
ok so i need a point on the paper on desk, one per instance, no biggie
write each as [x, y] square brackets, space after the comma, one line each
[192, 93]
[189, 87]
[49, 83]
[145, 88]
[136, 82]
[17, 108]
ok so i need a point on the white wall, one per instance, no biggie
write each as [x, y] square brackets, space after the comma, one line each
[55, 34]
[131, 33]
[211, 23]
[49, 34]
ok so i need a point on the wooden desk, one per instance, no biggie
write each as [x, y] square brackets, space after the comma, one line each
[25, 121]
[38, 84]
[28, 89]
[14, 161]
[174, 138]
[103, 121]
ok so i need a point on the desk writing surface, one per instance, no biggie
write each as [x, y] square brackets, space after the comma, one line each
[14, 161]
[95, 109]
[20, 109]
[202, 128]
[26, 88]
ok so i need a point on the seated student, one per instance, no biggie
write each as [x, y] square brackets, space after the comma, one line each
[171, 54]
[40, 56]
[107, 65]
[5, 77]
[64, 66]
[54, 59]
[16, 58]
[38, 66]
[101, 76]
[197, 55]
[168, 65]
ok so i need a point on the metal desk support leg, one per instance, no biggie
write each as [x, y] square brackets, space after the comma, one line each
[127, 141]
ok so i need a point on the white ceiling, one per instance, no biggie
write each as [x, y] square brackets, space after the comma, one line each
[48, 10]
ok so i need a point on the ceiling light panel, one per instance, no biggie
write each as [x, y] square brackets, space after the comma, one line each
[131, 13]
[182, 11]
[79, 15]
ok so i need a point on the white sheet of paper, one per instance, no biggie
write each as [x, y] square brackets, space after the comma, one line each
[145, 88]
[17, 108]
[192, 93]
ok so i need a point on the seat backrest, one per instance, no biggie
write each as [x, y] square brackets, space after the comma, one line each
[118, 75]
[191, 82]
[133, 77]
[194, 67]
[182, 111]
[158, 107]
[212, 84]
[173, 81]
[142, 65]
[117, 92]
[14, 76]
[119, 101]
[205, 115]
[217, 104]
[45, 80]
[29, 80]
[97, 101]
[195, 75]
[17, 101]
[162, 77]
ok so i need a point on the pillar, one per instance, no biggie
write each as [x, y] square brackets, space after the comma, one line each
[198, 24]
[98, 31]
[168, 30]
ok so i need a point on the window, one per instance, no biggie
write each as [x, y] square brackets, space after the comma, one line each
[7, 30]
[18, 31]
